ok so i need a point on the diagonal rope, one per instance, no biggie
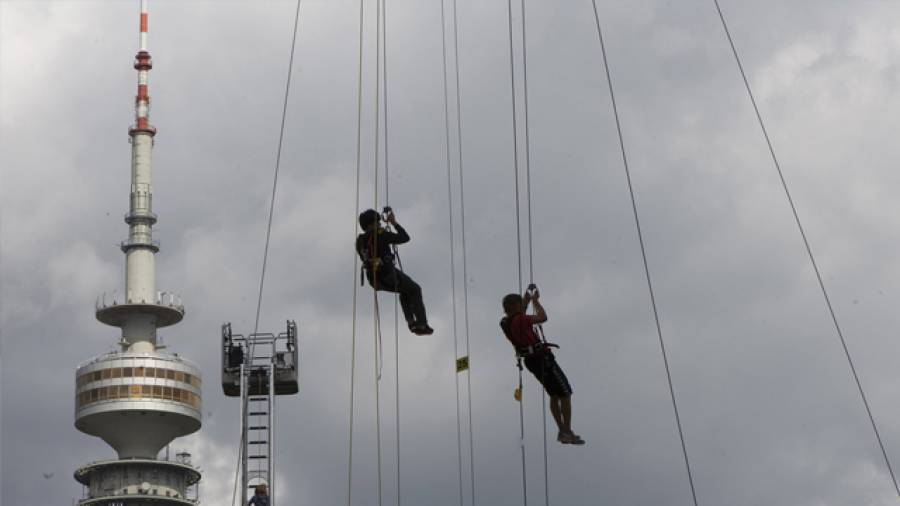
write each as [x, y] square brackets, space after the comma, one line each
[262, 276]
[808, 248]
[637, 223]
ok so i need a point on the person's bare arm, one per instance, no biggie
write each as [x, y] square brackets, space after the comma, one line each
[540, 315]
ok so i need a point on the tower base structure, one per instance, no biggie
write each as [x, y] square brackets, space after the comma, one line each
[139, 482]
[138, 403]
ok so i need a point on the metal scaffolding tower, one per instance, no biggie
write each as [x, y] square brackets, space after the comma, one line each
[256, 368]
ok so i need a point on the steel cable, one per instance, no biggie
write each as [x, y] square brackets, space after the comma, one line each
[808, 248]
[387, 201]
[646, 265]
[355, 256]
[452, 248]
[515, 139]
[530, 237]
[262, 276]
[462, 228]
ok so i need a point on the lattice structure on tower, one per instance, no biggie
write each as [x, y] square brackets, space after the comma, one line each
[257, 368]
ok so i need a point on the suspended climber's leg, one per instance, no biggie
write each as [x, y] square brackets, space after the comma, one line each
[556, 411]
[411, 302]
[560, 391]
[564, 406]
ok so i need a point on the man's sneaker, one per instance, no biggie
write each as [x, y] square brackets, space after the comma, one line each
[569, 438]
[420, 329]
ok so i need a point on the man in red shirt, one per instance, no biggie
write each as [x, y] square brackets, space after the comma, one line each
[519, 329]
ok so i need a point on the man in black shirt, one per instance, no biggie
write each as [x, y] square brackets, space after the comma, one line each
[374, 248]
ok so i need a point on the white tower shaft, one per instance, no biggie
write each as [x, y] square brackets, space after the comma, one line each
[140, 248]
[140, 399]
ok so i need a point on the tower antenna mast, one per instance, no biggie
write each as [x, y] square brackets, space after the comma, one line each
[139, 398]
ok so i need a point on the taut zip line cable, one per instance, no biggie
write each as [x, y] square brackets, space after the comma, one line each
[262, 276]
[637, 223]
[812, 259]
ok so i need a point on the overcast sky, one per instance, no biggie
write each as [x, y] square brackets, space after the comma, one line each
[770, 411]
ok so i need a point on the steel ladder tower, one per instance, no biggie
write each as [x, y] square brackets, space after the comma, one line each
[140, 398]
[257, 368]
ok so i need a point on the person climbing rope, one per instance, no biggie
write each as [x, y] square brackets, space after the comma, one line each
[519, 329]
[374, 248]
[260, 496]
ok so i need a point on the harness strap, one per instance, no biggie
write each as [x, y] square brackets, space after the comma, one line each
[535, 349]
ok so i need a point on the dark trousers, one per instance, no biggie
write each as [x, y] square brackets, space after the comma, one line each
[396, 281]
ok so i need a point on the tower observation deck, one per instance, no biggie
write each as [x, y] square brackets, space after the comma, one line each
[140, 398]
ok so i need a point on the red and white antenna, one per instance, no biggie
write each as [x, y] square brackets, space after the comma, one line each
[144, 309]
[143, 64]
[135, 414]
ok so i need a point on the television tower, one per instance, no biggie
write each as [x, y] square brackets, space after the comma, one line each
[139, 399]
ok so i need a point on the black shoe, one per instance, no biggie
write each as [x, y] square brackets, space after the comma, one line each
[421, 329]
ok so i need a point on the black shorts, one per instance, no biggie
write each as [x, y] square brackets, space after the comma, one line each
[548, 372]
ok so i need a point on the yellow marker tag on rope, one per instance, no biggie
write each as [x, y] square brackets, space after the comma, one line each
[518, 394]
[462, 364]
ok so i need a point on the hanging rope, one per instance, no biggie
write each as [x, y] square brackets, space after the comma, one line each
[637, 223]
[462, 224]
[452, 229]
[512, 80]
[453, 298]
[379, 352]
[452, 250]
[355, 257]
[812, 259]
[262, 276]
[530, 237]
[387, 200]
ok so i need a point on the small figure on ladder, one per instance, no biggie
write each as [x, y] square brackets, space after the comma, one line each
[519, 328]
[376, 247]
[260, 496]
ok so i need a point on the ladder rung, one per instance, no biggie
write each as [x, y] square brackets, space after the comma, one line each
[258, 427]
[257, 399]
[257, 442]
[256, 413]
[257, 457]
